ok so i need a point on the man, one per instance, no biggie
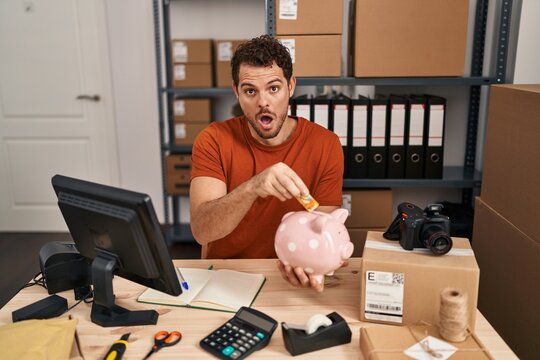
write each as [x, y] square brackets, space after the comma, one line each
[247, 171]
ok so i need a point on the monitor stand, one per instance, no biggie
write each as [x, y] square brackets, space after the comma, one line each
[104, 311]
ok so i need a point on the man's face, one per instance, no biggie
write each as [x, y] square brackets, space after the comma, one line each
[263, 94]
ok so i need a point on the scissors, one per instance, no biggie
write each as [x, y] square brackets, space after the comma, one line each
[163, 339]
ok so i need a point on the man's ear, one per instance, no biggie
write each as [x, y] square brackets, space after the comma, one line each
[292, 85]
[234, 89]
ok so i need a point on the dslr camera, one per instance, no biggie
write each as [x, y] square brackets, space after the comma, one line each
[417, 228]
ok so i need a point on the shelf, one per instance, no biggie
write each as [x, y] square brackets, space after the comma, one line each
[453, 177]
[408, 81]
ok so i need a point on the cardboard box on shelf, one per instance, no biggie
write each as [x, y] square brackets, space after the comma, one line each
[404, 287]
[390, 342]
[511, 153]
[509, 262]
[410, 37]
[192, 75]
[185, 133]
[192, 110]
[309, 17]
[223, 55]
[177, 162]
[358, 238]
[191, 51]
[368, 208]
[314, 55]
[178, 183]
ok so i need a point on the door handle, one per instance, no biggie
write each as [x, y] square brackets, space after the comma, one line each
[95, 98]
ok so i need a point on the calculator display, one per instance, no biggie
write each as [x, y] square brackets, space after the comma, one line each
[255, 320]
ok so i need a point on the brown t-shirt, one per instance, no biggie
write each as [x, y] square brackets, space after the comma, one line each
[227, 151]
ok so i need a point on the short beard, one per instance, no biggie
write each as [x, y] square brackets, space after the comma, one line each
[264, 135]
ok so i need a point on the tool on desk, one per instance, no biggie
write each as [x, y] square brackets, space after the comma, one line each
[117, 348]
[182, 280]
[320, 332]
[247, 331]
[164, 339]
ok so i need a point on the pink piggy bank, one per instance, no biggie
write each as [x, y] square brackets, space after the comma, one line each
[317, 242]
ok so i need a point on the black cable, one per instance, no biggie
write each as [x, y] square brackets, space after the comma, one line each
[37, 281]
[90, 293]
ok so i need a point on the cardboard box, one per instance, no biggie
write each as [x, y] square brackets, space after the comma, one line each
[309, 17]
[185, 133]
[223, 55]
[185, 51]
[509, 295]
[368, 208]
[176, 162]
[404, 287]
[192, 75]
[358, 238]
[511, 156]
[410, 37]
[389, 342]
[178, 183]
[192, 110]
[314, 55]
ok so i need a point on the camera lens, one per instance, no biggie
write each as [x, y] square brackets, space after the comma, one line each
[437, 241]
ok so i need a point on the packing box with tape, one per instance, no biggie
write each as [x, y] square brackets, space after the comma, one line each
[419, 342]
[404, 287]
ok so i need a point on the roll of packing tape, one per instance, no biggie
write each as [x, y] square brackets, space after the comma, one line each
[315, 322]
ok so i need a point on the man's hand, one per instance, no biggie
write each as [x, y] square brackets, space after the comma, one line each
[278, 180]
[297, 276]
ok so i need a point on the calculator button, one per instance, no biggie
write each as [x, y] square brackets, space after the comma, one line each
[247, 346]
[242, 331]
[236, 354]
[231, 339]
[235, 328]
[229, 325]
[248, 334]
[239, 342]
[227, 351]
[260, 335]
[212, 344]
[235, 345]
[251, 342]
[242, 349]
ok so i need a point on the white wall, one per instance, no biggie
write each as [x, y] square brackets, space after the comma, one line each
[527, 69]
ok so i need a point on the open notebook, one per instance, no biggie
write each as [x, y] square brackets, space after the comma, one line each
[223, 290]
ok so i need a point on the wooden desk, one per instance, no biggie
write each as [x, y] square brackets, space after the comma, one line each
[277, 298]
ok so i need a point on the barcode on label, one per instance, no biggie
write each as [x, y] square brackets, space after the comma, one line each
[384, 307]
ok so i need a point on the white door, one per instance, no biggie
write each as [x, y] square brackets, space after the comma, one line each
[56, 111]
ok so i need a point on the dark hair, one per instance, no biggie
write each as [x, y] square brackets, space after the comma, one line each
[261, 51]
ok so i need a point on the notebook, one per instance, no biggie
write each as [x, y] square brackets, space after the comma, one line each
[221, 290]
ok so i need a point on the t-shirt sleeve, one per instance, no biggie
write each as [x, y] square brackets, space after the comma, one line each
[329, 189]
[205, 155]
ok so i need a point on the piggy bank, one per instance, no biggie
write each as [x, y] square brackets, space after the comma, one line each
[315, 241]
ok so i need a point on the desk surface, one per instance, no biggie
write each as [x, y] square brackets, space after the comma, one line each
[277, 298]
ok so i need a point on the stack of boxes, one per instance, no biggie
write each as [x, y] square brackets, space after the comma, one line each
[191, 116]
[506, 235]
[312, 31]
[192, 62]
[178, 168]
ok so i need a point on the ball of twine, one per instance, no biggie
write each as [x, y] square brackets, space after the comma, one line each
[453, 315]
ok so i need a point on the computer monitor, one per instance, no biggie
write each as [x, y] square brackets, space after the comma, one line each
[118, 230]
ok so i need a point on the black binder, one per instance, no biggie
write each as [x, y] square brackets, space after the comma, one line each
[320, 112]
[396, 137]
[414, 164]
[377, 136]
[339, 119]
[303, 107]
[358, 121]
[434, 139]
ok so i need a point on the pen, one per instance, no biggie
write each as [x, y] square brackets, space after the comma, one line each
[117, 349]
[211, 267]
[182, 280]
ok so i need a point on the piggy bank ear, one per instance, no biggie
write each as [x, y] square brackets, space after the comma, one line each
[287, 215]
[319, 223]
[340, 214]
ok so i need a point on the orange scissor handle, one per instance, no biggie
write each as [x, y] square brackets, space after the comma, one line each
[165, 338]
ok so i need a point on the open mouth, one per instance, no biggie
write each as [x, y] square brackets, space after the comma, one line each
[266, 121]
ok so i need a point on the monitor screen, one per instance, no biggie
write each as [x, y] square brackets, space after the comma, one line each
[118, 230]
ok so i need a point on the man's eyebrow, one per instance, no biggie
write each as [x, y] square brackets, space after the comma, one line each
[248, 84]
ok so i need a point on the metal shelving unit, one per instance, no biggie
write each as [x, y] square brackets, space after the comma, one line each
[465, 177]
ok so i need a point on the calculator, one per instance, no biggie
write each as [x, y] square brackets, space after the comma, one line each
[247, 331]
